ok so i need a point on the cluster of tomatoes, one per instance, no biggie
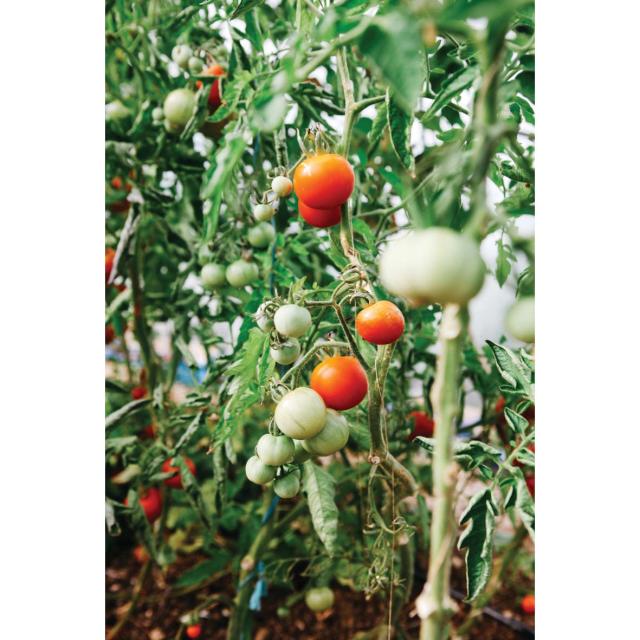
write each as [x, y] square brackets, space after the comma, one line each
[323, 182]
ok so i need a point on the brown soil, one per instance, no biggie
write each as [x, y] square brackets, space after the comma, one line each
[157, 615]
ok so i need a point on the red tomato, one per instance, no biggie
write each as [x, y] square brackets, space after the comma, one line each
[176, 481]
[138, 392]
[194, 630]
[380, 323]
[151, 503]
[528, 604]
[531, 485]
[109, 334]
[109, 255]
[320, 217]
[198, 84]
[423, 425]
[340, 381]
[215, 99]
[116, 183]
[140, 554]
[500, 402]
[149, 432]
[324, 180]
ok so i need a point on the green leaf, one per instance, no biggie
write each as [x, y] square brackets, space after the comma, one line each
[244, 6]
[110, 516]
[400, 133]
[469, 455]
[514, 370]
[519, 498]
[517, 422]
[477, 539]
[203, 570]
[222, 167]
[451, 88]
[128, 409]
[394, 46]
[188, 433]
[268, 112]
[380, 123]
[505, 259]
[320, 490]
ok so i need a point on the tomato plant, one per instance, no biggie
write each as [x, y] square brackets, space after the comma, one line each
[307, 205]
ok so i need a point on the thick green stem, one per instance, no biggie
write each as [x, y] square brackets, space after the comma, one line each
[433, 604]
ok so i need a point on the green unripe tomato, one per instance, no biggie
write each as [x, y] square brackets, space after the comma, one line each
[287, 486]
[241, 273]
[180, 54]
[333, 437]
[258, 472]
[520, 321]
[205, 255]
[281, 186]
[292, 320]
[301, 454]
[195, 65]
[117, 111]
[261, 235]
[179, 106]
[287, 352]
[275, 450]
[436, 265]
[212, 276]
[319, 599]
[263, 321]
[157, 114]
[263, 212]
[301, 413]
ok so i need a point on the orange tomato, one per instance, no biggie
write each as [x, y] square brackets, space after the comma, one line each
[175, 481]
[215, 99]
[324, 180]
[340, 381]
[109, 255]
[140, 554]
[380, 323]
[319, 217]
[423, 425]
[528, 604]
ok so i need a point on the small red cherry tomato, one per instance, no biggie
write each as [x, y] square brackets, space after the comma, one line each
[109, 334]
[340, 381]
[380, 323]
[528, 604]
[193, 631]
[423, 425]
[151, 503]
[320, 217]
[138, 392]
[215, 99]
[175, 481]
[324, 180]
[531, 485]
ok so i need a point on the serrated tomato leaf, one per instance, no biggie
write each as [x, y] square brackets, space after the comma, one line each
[320, 490]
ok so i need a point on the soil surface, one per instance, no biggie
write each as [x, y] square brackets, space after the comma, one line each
[159, 609]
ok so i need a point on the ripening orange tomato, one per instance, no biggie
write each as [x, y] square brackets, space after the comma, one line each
[175, 481]
[324, 180]
[423, 425]
[340, 381]
[215, 99]
[109, 256]
[319, 217]
[380, 323]
[528, 604]
[140, 554]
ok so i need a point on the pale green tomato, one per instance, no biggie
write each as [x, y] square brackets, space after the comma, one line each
[287, 352]
[301, 413]
[292, 320]
[301, 454]
[436, 265]
[212, 276]
[263, 212]
[205, 255]
[275, 450]
[333, 437]
[241, 273]
[117, 111]
[180, 54]
[195, 65]
[521, 319]
[157, 114]
[287, 486]
[281, 186]
[319, 599]
[263, 321]
[179, 106]
[258, 472]
[261, 235]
